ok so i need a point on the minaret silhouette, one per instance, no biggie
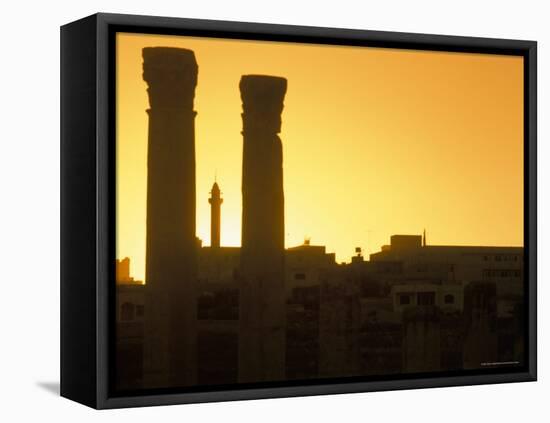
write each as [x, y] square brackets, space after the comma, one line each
[261, 304]
[424, 238]
[215, 201]
[171, 249]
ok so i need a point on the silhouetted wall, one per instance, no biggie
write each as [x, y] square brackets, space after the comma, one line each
[262, 305]
[339, 328]
[171, 249]
[480, 321]
[421, 341]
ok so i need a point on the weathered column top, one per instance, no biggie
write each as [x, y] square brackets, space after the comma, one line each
[171, 74]
[262, 97]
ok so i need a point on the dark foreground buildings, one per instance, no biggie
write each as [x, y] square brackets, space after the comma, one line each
[410, 308]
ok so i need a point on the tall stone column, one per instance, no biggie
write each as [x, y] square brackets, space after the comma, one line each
[171, 248]
[261, 304]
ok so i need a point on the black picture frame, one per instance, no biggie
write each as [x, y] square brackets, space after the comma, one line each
[88, 200]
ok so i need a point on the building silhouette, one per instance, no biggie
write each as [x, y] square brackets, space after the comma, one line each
[402, 311]
[123, 273]
[130, 327]
[171, 250]
[262, 310]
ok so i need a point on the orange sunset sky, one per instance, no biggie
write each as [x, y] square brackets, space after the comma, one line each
[376, 142]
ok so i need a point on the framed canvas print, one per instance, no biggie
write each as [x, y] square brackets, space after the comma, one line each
[256, 211]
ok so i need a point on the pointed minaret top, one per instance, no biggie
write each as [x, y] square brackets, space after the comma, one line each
[424, 238]
[215, 189]
[215, 214]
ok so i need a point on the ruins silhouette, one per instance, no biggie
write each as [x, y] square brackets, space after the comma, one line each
[171, 250]
[261, 299]
[211, 315]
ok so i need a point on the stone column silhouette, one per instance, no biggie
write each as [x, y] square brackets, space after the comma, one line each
[215, 215]
[171, 247]
[261, 303]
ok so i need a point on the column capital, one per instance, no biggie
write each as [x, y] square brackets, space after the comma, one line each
[171, 76]
[262, 97]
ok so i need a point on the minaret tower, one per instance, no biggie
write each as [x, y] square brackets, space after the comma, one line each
[215, 201]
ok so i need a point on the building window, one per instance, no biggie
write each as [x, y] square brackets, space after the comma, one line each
[140, 311]
[426, 298]
[300, 276]
[404, 299]
[127, 311]
[449, 299]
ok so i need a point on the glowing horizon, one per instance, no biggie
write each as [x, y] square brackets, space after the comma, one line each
[376, 142]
